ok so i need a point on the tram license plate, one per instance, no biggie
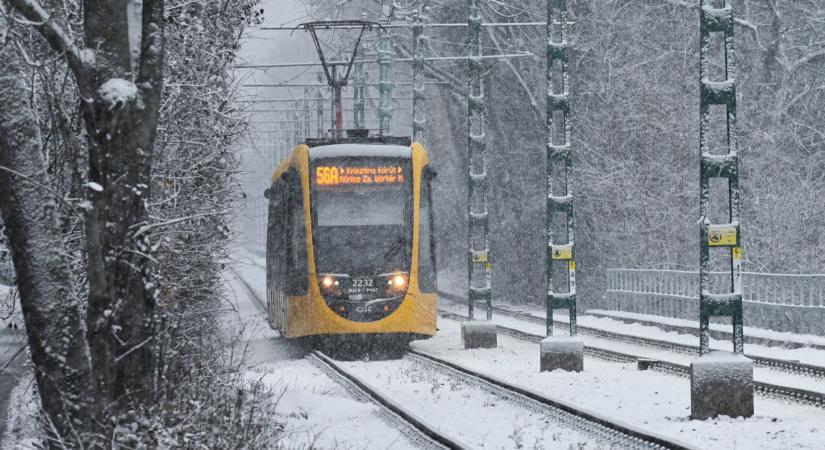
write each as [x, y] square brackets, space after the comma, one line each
[362, 282]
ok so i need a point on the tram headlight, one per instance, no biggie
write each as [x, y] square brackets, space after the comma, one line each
[329, 282]
[398, 282]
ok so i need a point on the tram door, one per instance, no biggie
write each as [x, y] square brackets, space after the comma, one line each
[278, 251]
[274, 254]
[287, 255]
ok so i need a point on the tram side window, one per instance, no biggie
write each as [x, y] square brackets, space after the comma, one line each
[297, 271]
[426, 242]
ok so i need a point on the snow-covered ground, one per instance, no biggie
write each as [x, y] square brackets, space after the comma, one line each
[807, 355]
[781, 336]
[759, 373]
[315, 411]
[650, 400]
[474, 416]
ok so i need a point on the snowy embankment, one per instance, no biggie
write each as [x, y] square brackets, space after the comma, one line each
[807, 355]
[760, 373]
[314, 410]
[650, 400]
[792, 340]
[469, 413]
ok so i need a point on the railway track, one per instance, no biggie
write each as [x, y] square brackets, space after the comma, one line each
[259, 303]
[617, 434]
[414, 428]
[788, 366]
[423, 435]
[418, 432]
[767, 389]
[621, 436]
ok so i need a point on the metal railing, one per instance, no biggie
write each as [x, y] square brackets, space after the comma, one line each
[783, 302]
[800, 290]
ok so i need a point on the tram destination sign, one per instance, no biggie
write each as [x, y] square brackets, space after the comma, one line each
[352, 175]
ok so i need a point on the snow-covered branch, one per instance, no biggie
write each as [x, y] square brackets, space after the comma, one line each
[79, 60]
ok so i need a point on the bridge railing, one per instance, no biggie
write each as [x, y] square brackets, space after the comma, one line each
[782, 302]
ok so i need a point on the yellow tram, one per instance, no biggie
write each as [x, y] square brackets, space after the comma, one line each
[350, 242]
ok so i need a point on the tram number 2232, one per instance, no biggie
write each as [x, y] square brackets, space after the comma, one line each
[362, 282]
[326, 175]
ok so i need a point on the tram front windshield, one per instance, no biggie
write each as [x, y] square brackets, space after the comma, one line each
[361, 215]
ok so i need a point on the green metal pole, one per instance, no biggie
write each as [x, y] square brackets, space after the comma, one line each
[359, 82]
[560, 249]
[478, 229]
[723, 236]
[319, 105]
[419, 41]
[385, 54]
[333, 101]
[307, 115]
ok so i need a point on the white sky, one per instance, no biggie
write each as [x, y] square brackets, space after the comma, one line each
[266, 47]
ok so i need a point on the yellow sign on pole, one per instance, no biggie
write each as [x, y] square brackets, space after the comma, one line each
[721, 235]
[562, 252]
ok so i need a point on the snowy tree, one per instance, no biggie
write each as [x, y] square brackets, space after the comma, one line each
[116, 224]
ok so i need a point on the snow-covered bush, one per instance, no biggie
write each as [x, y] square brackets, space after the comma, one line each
[189, 393]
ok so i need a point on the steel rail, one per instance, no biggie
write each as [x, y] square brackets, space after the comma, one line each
[364, 391]
[633, 437]
[784, 365]
[258, 301]
[408, 423]
[767, 389]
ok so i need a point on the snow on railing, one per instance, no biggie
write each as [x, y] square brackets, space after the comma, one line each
[797, 290]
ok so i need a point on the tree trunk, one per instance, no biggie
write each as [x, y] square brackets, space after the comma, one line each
[50, 306]
[121, 124]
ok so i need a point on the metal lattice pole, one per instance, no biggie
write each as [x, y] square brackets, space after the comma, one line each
[359, 83]
[295, 118]
[307, 114]
[559, 249]
[419, 42]
[333, 100]
[319, 117]
[726, 236]
[478, 229]
[385, 56]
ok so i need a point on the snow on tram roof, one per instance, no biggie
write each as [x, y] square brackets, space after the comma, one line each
[360, 150]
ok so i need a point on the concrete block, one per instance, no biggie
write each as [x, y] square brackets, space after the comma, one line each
[478, 335]
[645, 363]
[721, 383]
[561, 352]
